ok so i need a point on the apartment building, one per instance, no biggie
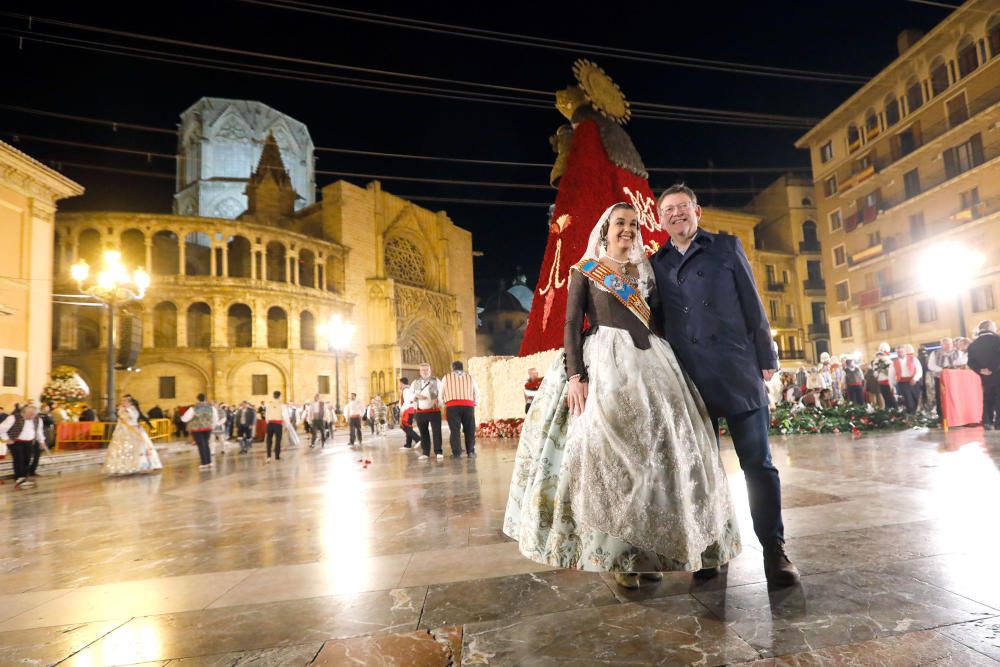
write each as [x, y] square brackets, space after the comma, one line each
[788, 267]
[907, 180]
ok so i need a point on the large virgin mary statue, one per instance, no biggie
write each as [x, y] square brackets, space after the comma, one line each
[597, 165]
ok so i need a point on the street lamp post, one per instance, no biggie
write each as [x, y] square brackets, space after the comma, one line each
[338, 333]
[113, 286]
[947, 271]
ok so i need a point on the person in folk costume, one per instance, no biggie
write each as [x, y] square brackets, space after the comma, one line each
[317, 418]
[201, 419]
[130, 450]
[984, 359]
[460, 395]
[427, 395]
[407, 410]
[596, 483]
[531, 388]
[825, 372]
[905, 373]
[596, 163]
[854, 381]
[279, 423]
[246, 421]
[946, 357]
[882, 367]
[20, 430]
[837, 377]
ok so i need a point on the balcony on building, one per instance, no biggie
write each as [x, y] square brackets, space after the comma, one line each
[791, 354]
[775, 286]
[809, 246]
[819, 329]
[814, 285]
[783, 322]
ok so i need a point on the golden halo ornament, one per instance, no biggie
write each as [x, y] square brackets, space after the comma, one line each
[603, 93]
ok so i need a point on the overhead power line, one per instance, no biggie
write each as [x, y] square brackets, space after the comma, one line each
[521, 96]
[520, 39]
[20, 136]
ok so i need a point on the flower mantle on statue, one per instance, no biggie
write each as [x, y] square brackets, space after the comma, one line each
[66, 389]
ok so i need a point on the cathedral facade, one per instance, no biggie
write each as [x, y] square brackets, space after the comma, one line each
[236, 305]
[218, 144]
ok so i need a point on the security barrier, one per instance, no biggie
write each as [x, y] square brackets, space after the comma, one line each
[94, 435]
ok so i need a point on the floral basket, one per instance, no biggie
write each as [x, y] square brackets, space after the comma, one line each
[500, 428]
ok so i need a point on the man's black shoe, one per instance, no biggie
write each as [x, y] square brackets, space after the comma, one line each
[706, 573]
[778, 569]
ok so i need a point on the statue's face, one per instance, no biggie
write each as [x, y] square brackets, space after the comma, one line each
[570, 99]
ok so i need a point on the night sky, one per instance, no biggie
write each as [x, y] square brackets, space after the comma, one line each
[843, 37]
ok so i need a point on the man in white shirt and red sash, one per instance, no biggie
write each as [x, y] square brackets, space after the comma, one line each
[355, 409]
[906, 371]
[460, 396]
[277, 415]
[407, 411]
[427, 394]
[21, 430]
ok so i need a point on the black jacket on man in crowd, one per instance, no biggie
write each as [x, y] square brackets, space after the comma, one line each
[984, 352]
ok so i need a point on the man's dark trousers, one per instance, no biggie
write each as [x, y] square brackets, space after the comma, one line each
[749, 433]
[36, 455]
[355, 423]
[462, 417]
[20, 454]
[428, 422]
[991, 402]
[887, 397]
[201, 438]
[318, 426]
[274, 432]
[245, 436]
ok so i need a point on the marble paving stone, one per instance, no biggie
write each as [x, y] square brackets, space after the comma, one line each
[983, 635]
[256, 627]
[156, 596]
[409, 649]
[448, 565]
[325, 578]
[286, 656]
[47, 646]
[513, 597]
[665, 631]
[793, 495]
[849, 515]
[837, 608]
[916, 648]
[12, 605]
[963, 574]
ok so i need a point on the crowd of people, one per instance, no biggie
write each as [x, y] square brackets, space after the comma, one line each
[904, 378]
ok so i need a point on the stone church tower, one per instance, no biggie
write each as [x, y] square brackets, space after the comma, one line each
[220, 142]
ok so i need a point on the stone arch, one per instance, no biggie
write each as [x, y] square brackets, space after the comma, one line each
[307, 268]
[939, 76]
[240, 379]
[199, 325]
[428, 337]
[914, 94]
[90, 247]
[198, 254]
[967, 56]
[277, 328]
[407, 226]
[993, 35]
[132, 244]
[276, 264]
[240, 254]
[228, 207]
[307, 330]
[190, 379]
[891, 109]
[239, 325]
[88, 328]
[166, 253]
[165, 324]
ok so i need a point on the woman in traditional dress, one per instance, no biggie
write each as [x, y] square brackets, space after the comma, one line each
[130, 450]
[618, 468]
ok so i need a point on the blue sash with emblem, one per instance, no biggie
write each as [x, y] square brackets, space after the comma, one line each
[616, 284]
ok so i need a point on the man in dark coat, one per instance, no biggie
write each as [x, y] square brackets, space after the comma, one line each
[713, 318]
[88, 414]
[984, 358]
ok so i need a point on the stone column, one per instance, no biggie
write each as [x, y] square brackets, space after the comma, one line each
[147, 323]
[182, 324]
[294, 330]
[225, 261]
[220, 333]
[293, 273]
[259, 324]
[316, 275]
[182, 255]
[149, 255]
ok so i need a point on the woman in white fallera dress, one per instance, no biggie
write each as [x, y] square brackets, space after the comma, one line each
[618, 468]
[130, 450]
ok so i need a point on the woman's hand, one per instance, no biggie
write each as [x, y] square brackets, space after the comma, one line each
[577, 398]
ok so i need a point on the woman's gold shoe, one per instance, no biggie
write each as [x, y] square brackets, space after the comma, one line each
[629, 580]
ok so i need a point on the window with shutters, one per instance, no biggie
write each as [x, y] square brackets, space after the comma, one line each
[168, 386]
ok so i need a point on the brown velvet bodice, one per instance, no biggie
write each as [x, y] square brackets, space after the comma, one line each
[602, 309]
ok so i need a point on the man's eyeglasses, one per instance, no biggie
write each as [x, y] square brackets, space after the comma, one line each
[672, 209]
